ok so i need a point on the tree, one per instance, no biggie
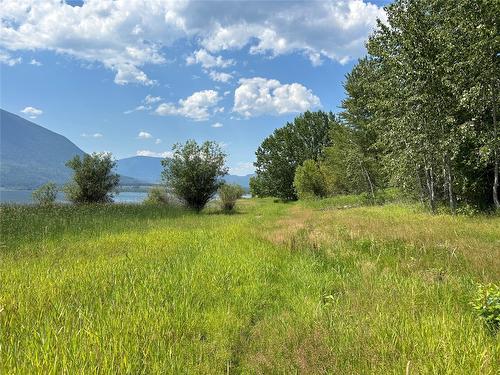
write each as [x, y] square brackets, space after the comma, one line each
[194, 172]
[349, 167]
[46, 194]
[281, 153]
[257, 188]
[94, 180]
[157, 195]
[228, 195]
[310, 181]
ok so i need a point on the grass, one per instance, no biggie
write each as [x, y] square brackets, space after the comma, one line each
[302, 288]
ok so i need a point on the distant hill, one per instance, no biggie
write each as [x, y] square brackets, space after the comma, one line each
[31, 155]
[148, 169]
[144, 168]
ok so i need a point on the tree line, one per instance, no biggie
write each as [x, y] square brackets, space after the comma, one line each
[420, 114]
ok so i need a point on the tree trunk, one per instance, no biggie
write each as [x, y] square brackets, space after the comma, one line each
[429, 175]
[367, 175]
[451, 194]
[495, 147]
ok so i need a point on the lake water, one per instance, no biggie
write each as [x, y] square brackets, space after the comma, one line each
[24, 196]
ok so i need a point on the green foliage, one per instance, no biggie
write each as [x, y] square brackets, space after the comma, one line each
[157, 195]
[309, 181]
[257, 188]
[349, 165]
[487, 305]
[46, 194]
[194, 172]
[94, 180]
[426, 98]
[281, 153]
[228, 195]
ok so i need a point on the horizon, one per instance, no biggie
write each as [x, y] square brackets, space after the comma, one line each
[135, 85]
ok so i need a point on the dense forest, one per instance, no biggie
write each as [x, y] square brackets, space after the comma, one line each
[420, 114]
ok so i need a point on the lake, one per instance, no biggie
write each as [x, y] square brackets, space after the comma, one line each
[24, 196]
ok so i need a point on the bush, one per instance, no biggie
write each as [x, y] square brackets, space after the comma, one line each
[46, 194]
[157, 195]
[94, 180]
[229, 194]
[487, 305]
[309, 181]
[194, 172]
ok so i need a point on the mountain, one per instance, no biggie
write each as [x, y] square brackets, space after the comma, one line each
[31, 155]
[148, 169]
[144, 168]
[239, 180]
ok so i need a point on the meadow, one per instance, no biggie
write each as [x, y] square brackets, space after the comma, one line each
[307, 287]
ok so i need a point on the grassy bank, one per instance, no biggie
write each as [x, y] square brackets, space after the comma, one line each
[275, 288]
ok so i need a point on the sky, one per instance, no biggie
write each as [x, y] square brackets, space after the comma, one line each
[133, 77]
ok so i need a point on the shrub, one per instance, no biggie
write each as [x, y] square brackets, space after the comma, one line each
[309, 181]
[487, 305]
[46, 194]
[94, 180]
[229, 194]
[157, 195]
[194, 172]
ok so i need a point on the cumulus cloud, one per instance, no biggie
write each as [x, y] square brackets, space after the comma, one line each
[144, 135]
[207, 60]
[94, 135]
[259, 96]
[165, 154]
[217, 125]
[220, 76]
[7, 59]
[199, 106]
[126, 35]
[32, 112]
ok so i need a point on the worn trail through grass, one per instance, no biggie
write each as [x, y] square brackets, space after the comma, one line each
[295, 288]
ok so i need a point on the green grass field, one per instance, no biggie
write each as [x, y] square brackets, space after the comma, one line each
[306, 287]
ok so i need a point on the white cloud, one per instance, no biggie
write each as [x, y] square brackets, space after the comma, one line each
[150, 99]
[7, 59]
[207, 60]
[124, 36]
[95, 135]
[32, 112]
[220, 76]
[157, 141]
[144, 135]
[146, 105]
[199, 106]
[165, 154]
[35, 62]
[217, 125]
[242, 169]
[259, 96]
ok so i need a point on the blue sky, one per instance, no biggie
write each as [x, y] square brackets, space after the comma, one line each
[133, 77]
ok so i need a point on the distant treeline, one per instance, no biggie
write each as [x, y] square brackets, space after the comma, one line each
[421, 114]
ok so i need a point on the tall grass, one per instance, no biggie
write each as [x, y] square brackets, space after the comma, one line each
[274, 289]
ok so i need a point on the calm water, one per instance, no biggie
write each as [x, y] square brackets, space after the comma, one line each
[24, 196]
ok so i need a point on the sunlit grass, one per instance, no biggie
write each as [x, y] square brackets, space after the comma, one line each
[274, 288]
